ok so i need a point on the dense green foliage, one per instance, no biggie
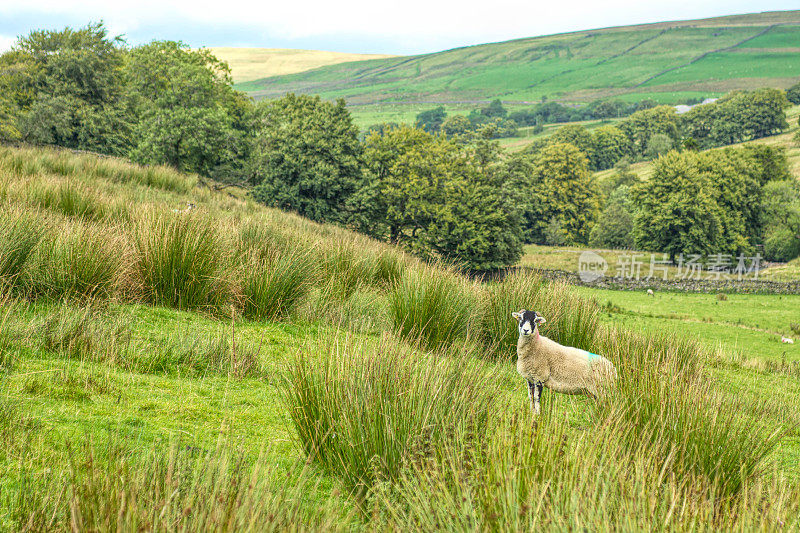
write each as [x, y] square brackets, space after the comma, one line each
[307, 157]
[706, 203]
[430, 195]
[737, 117]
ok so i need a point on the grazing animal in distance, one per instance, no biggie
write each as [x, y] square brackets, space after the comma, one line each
[189, 206]
[651, 293]
[787, 340]
[542, 362]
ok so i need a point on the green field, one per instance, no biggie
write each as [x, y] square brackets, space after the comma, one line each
[240, 368]
[669, 61]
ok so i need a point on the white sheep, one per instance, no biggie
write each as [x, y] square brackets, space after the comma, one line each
[786, 340]
[545, 363]
[651, 293]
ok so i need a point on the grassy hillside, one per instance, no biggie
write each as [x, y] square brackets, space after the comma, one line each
[249, 64]
[232, 367]
[670, 60]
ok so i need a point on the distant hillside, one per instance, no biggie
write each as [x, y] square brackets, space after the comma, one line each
[669, 60]
[253, 63]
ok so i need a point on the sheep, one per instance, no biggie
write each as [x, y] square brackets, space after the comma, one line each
[786, 340]
[189, 207]
[651, 293]
[545, 363]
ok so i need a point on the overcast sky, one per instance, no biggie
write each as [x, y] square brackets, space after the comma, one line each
[388, 26]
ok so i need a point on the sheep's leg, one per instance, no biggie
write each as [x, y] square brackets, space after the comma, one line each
[534, 393]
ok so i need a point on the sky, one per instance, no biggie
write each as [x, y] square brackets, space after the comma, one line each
[366, 26]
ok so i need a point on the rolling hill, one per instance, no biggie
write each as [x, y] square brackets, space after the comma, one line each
[668, 61]
[249, 64]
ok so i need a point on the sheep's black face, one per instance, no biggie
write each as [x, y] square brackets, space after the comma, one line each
[528, 320]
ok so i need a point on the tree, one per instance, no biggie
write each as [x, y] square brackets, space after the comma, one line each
[642, 125]
[609, 145]
[736, 117]
[676, 209]
[614, 228]
[457, 125]
[495, 109]
[562, 171]
[658, 144]
[65, 88]
[780, 205]
[579, 137]
[8, 122]
[431, 120]
[186, 112]
[307, 157]
[438, 199]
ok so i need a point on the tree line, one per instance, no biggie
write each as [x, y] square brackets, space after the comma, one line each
[446, 195]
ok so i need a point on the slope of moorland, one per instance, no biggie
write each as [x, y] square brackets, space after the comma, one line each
[668, 61]
[248, 64]
[232, 367]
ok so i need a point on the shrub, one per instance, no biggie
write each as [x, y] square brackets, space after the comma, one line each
[364, 410]
[433, 306]
[180, 261]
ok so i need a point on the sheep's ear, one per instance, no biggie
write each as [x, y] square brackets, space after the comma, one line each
[540, 320]
[516, 315]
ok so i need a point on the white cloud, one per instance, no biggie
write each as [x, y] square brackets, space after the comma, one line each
[415, 24]
[6, 42]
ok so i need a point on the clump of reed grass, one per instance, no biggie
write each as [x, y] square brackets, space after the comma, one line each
[364, 411]
[388, 268]
[68, 199]
[343, 268]
[433, 306]
[77, 261]
[20, 233]
[273, 287]
[181, 261]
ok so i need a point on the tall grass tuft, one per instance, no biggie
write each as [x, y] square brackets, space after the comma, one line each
[273, 287]
[80, 261]
[665, 400]
[434, 306]
[181, 261]
[20, 233]
[363, 411]
[68, 199]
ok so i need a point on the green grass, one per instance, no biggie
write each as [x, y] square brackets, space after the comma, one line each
[574, 67]
[750, 325]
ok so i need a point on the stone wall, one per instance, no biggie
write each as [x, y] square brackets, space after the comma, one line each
[747, 286]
